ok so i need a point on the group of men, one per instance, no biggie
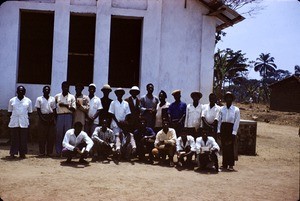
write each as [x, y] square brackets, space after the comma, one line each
[87, 125]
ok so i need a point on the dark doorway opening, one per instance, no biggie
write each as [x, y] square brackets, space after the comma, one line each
[81, 49]
[35, 50]
[124, 54]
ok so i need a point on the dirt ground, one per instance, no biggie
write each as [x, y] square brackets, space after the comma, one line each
[271, 175]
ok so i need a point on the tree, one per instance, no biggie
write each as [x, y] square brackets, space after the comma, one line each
[266, 66]
[228, 65]
[297, 70]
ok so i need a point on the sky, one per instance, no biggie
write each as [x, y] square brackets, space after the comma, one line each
[275, 29]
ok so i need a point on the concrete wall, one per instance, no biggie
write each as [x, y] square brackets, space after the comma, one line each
[176, 53]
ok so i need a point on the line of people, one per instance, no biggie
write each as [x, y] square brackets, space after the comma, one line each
[125, 128]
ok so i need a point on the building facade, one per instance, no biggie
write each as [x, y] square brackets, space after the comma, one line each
[169, 43]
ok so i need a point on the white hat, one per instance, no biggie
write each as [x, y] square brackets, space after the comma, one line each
[92, 85]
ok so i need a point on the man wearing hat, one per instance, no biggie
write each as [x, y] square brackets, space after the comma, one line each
[119, 110]
[177, 112]
[95, 107]
[134, 106]
[193, 112]
[228, 125]
[105, 101]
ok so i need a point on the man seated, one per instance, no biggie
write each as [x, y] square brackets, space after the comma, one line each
[104, 139]
[76, 142]
[207, 149]
[185, 148]
[125, 144]
[144, 137]
[165, 143]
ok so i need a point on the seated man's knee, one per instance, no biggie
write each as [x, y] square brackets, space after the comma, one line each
[155, 152]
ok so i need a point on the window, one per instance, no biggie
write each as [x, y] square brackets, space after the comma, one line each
[35, 50]
[81, 49]
[124, 55]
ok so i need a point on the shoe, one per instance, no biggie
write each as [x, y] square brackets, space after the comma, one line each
[84, 162]
[171, 164]
[68, 160]
[231, 168]
[22, 156]
[180, 164]
[12, 156]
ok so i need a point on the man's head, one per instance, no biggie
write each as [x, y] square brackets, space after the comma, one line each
[106, 89]
[212, 98]
[150, 88]
[46, 90]
[21, 91]
[184, 136]
[165, 125]
[104, 124]
[119, 93]
[134, 91]
[196, 96]
[229, 97]
[162, 96]
[78, 88]
[142, 123]
[177, 95]
[204, 134]
[65, 87]
[92, 89]
[77, 127]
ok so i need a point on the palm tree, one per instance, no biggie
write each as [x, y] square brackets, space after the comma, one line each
[265, 65]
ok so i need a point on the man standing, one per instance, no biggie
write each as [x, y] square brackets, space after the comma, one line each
[105, 101]
[177, 112]
[104, 139]
[134, 105]
[148, 106]
[95, 106]
[65, 106]
[193, 112]
[210, 115]
[46, 106]
[207, 149]
[228, 125]
[82, 104]
[76, 142]
[119, 110]
[165, 143]
[19, 108]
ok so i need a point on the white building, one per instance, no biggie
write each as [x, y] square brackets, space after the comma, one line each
[169, 43]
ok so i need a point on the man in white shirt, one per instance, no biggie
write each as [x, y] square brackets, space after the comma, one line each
[46, 106]
[19, 108]
[104, 139]
[210, 115]
[185, 148]
[165, 143]
[76, 142]
[119, 110]
[65, 106]
[193, 112]
[228, 125]
[92, 117]
[206, 150]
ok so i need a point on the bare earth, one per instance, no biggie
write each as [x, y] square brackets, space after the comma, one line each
[271, 175]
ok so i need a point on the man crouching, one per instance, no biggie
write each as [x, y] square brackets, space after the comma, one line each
[76, 142]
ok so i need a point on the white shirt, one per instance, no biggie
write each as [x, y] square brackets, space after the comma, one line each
[231, 115]
[169, 136]
[71, 141]
[210, 144]
[120, 110]
[46, 106]
[158, 118]
[189, 142]
[100, 136]
[193, 116]
[211, 114]
[95, 105]
[68, 99]
[120, 142]
[19, 110]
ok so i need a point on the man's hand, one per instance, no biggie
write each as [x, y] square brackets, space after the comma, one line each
[76, 149]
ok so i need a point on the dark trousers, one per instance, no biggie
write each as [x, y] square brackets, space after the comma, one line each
[205, 158]
[227, 140]
[102, 149]
[70, 154]
[188, 156]
[145, 147]
[19, 138]
[46, 137]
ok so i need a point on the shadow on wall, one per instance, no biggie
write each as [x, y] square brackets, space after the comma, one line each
[4, 130]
